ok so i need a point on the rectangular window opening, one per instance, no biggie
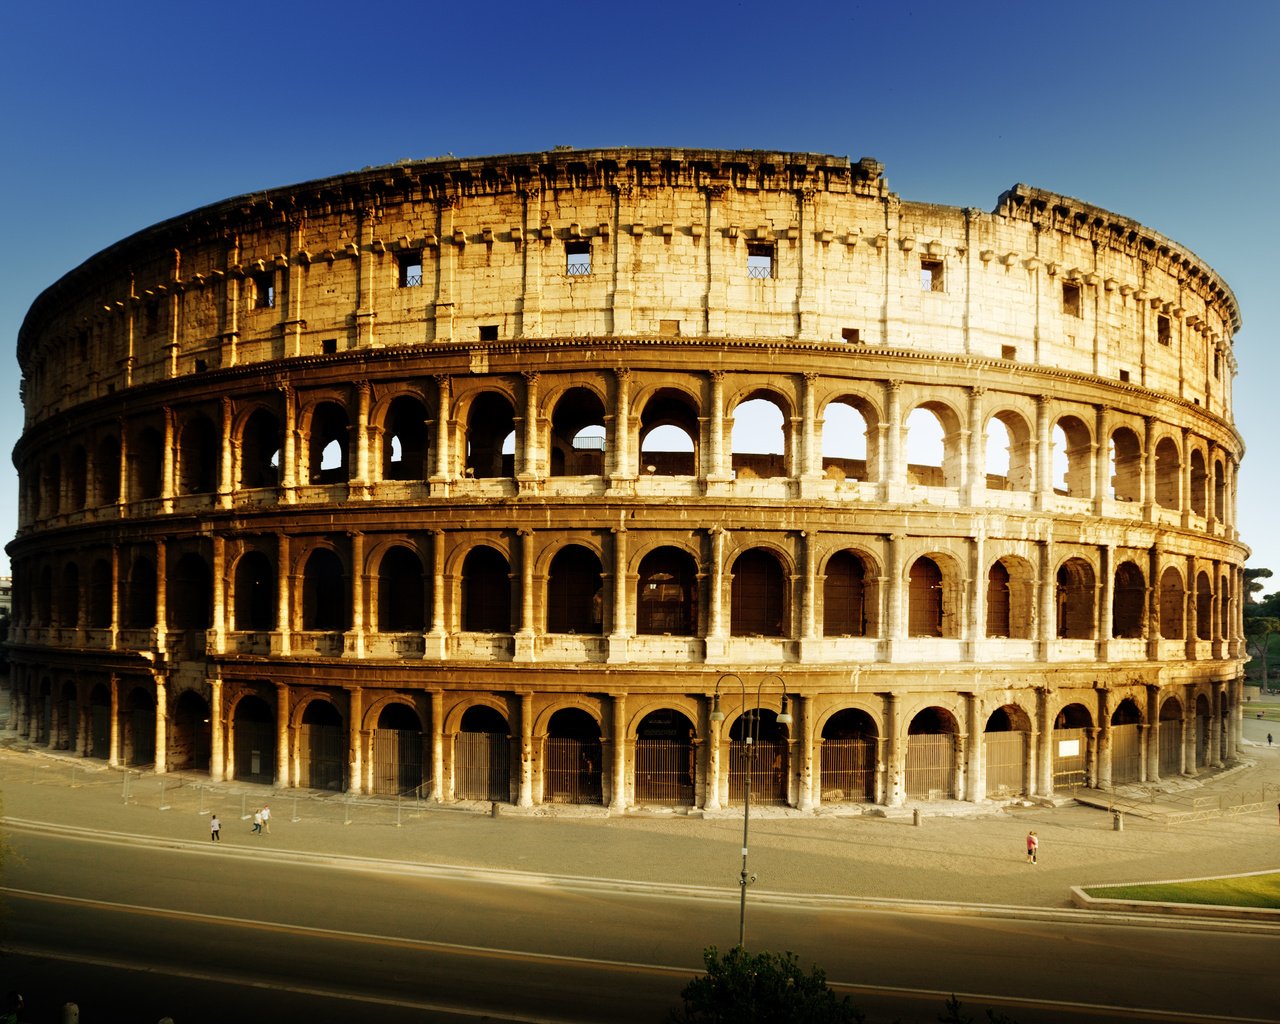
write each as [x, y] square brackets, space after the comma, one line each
[1071, 299]
[329, 346]
[852, 335]
[152, 317]
[760, 259]
[201, 366]
[1217, 366]
[264, 291]
[1164, 332]
[82, 342]
[669, 328]
[577, 258]
[489, 332]
[1124, 376]
[1008, 352]
[410, 265]
[931, 275]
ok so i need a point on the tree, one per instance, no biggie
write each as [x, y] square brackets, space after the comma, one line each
[1257, 635]
[761, 988]
[1251, 584]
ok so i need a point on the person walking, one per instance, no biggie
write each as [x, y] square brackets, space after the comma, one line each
[266, 819]
[1033, 847]
[1268, 739]
[215, 827]
[257, 822]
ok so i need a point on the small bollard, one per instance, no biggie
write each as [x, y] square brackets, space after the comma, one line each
[70, 1013]
[493, 809]
[1117, 821]
[915, 816]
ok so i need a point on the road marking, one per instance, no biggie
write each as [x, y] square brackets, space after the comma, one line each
[1013, 1002]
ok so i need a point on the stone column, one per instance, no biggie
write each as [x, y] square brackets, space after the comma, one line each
[804, 710]
[1153, 734]
[1153, 604]
[1047, 592]
[441, 477]
[1189, 731]
[359, 487]
[1101, 460]
[1107, 553]
[1184, 481]
[895, 754]
[436, 644]
[125, 495]
[1149, 470]
[618, 638]
[219, 631]
[355, 751]
[289, 448]
[1104, 739]
[167, 470]
[810, 455]
[717, 639]
[895, 477]
[115, 596]
[524, 638]
[354, 645]
[809, 595]
[622, 474]
[619, 731]
[283, 623]
[217, 743]
[976, 626]
[226, 477]
[113, 755]
[528, 474]
[525, 798]
[1190, 611]
[1044, 454]
[1046, 751]
[162, 594]
[718, 474]
[437, 746]
[711, 789]
[976, 482]
[162, 725]
[282, 734]
[1215, 728]
[975, 755]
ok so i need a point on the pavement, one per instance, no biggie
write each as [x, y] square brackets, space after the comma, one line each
[959, 853]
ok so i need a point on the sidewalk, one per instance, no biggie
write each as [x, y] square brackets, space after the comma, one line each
[973, 857]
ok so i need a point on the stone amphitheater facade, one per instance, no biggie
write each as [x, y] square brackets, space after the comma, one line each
[361, 484]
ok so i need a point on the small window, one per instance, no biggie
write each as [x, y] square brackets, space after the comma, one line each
[82, 344]
[852, 335]
[201, 366]
[151, 320]
[489, 332]
[1217, 366]
[760, 259]
[669, 328]
[264, 291]
[1124, 376]
[1008, 352]
[329, 346]
[111, 389]
[931, 275]
[577, 258]
[1163, 331]
[410, 265]
[1071, 299]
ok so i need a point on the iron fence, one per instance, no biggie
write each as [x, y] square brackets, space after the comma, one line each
[664, 772]
[760, 271]
[1006, 763]
[1170, 747]
[931, 766]
[482, 766]
[1070, 758]
[848, 770]
[397, 761]
[322, 759]
[768, 768]
[1126, 754]
[571, 771]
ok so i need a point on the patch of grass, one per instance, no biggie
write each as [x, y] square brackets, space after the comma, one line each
[1246, 891]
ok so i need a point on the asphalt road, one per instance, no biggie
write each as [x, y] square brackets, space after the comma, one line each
[132, 932]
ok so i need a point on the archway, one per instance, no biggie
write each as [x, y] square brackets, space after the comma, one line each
[192, 737]
[1171, 745]
[138, 738]
[844, 596]
[1173, 604]
[482, 756]
[260, 451]
[572, 759]
[100, 594]
[767, 758]
[758, 441]
[1071, 747]
[322, 748]
[401, 592]
[1204, 607]
[190, 593]
[578, 442]
[141, 606]
[667, 593]
[932, 755]
[1128, 606]
[669, 434]
[758, 606]
[106, 471]
[924, 599]
[1075, 600]
[255, 600]
[665, 767]
[844, 442]
[848, 758]
[68, 724]
[404, 440]
[254, 729]
[198, 457]
[1006, 746]
[1126, 465]
[397, 752]
[99, 722]
[575, 601]
[488, 424]
[327, 449]
[1204, 729]
[1126, 743]
[486, 592]
[325, 607]
[1168, 474]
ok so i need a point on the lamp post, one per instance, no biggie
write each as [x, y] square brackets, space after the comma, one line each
[750, 733]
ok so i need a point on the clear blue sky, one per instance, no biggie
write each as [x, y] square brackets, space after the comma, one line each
[120, 115]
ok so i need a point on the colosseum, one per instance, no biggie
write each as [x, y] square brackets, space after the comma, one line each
[435, 479]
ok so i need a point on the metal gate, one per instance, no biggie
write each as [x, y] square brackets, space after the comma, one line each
[571, 771]
[73, 724]
[1170, 746]
[1070, 758]
[142, 736]
[1126, 753]
[931, 766]
[322, 757]
[101, 735]
[664, 772]
[46, 721]
[768, 772]
[255, 750]
[1005, 756]
[848, 770]
[397, 762]
[482, 766]
[1204, 726]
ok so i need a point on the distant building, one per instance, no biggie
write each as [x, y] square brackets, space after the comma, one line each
[6, 595]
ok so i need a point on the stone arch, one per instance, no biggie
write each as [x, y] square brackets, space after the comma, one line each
[944, 468]
[1126, 743]
[327, 429]
[575, 591]
[490, 420]
[1126, 465]
[403, 439]
[99, 739]
[191, 737]
[850, 595]
[255, 607]
[934, 596]
[1199, 482]
[106, 471]
[768, 764]
[1172, 604]
[667, 592]
[665, 756]
[138, 727]
[486, 591]
[140, 606]
[51, 486]
[253, 744]
[1006, 751]
[199, 456]
[687, 707]
[577, 443]
[190, 593]
[1071, 745]
[1129, 603]
[1020, 474]
[100, 593]
[261, 451]
[1219, 490]
[78, 479]
[843, 456]
[403, 590]
[849, 739]
[1010, 598]
[759, 594]
[1168, 474]
[932, 761]
[69, 596]
[1204, 606]
[1078, 449]
[146, 460]
[322, 741]
[751, 428]
[665, 414]
[1074, 604]
[326, 594]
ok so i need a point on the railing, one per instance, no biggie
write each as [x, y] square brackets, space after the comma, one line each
[577, 267]
[760, 272]
[931, 766]
[848, 770]
[481, 766]
[768, 768]
[664, 772]
[572, 771]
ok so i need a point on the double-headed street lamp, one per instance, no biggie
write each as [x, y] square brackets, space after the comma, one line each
[750, 733]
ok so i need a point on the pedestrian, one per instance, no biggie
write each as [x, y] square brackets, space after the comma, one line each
[266, 819]
[1033, 846]
[257, 822]
[1268, 739]
[215, 827]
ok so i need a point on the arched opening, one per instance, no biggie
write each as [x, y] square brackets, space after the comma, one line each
[999, 453]
[759, 438]
[766, 758]
[667, 594]
[572, 759]
[1005, 752]
[758, 595]
[77, 480]
[669, 434]
[1126, 744]
[52, 486]
[322, 748]
[404, 440]
[482, 756]
[326, 606]
[932, 445]
[1126, 465]
[397, 752]
[1072, 451]
[1171, 746]
[1219, 492]
[1173, 603]
[1128, 605]
[1075, 597]
[67, 719]
[1010, 461]
[141, 606]
[99, 722]
[254, 744]
[575, 601]
[190, 594]
[844, 443]
[998, 601]
[1199, 480]
[328, 458]
[932, 755]
[106, 471]
[665, 766]
[844, 596]
[1204, 607]
[191, 739]
[138, 730]
[489, 422]
[1204, 729]
[577, 442]
[44, 597]
[255, 603]
[198, 457]
[849, 740]
[1070, 751]
[1168, 474]
[100, 594]
[924, 599]
[486, 592]
[401, 592]
[260, 450]
[44, 714]
[147, 459]
[69, 597]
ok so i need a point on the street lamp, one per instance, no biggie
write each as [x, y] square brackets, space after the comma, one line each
[752, 721]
